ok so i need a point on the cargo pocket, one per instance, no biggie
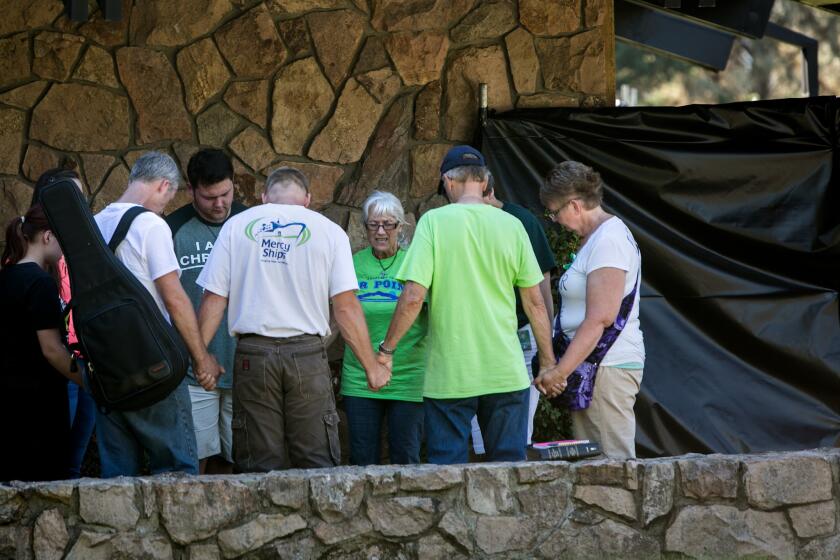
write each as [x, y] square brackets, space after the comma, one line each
[314, 378]
[331, 425]
[241, 449]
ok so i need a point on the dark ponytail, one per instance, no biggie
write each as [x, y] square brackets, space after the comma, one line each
[20, 232]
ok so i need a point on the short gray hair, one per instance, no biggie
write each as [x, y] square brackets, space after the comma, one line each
[572, 179]
[465, 173]
[287, 174]
[152, 166]
[381, 203]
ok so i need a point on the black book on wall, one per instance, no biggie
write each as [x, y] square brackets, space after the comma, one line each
[566, 450]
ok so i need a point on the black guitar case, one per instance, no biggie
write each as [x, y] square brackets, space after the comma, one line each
[134, 356]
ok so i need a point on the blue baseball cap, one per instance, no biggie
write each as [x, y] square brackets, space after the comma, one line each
[457, 157]
[461, 155]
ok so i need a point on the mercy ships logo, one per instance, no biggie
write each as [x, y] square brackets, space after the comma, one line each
[276, 239]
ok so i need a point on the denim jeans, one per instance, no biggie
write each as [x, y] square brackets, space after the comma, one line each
[164, 431]
[503, 418]
[405, 430]
[82, 423]
[529, 349]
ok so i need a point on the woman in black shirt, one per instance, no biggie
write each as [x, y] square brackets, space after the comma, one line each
[34, 364]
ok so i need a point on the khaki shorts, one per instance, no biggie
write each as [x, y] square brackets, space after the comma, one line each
[212, 413]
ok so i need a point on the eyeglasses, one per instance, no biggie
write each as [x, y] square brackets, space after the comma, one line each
[387, 226]
[551, 214]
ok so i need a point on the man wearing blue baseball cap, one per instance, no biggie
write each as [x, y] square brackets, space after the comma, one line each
[469, 256]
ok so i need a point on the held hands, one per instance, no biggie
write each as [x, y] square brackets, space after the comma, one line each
[207, 371]
[550, 381]
[381, 376]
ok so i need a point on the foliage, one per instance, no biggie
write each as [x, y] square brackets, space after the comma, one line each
[563, 243]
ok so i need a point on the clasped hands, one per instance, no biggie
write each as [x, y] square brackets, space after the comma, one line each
[207, 371]
[381, 375]
[550, 381]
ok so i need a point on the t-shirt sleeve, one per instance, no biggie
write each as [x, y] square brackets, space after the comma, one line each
[419, 263]
[159, 250]
[529, 273]
[215, 276]
[43, 306]
[611, 250]
[343, 273]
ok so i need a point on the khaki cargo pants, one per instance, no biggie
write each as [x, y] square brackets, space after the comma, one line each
[610, 419]
[284, 412]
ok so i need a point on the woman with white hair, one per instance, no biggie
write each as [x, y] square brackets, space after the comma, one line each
[400, 403]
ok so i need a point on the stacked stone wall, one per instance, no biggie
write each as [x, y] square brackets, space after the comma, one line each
[360, 94]
[750, 506]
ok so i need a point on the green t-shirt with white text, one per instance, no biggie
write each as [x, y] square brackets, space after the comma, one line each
[378, 293]
[472, 257]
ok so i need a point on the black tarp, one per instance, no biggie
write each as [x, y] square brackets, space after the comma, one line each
[735, 208]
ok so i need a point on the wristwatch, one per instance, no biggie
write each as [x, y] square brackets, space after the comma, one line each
[387, 351]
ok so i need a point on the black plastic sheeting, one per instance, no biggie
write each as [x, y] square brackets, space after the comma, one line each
[735, 208]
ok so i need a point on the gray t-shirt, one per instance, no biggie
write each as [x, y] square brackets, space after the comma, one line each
[193, 238]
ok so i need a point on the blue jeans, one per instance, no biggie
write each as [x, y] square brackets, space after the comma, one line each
[502, 417]
[405, 430]
[82, 422]
[164, 431]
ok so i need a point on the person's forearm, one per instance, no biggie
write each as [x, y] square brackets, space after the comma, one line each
[210, 315]
[181, 312]
[534, 306]
[586, 338]
[57, 355]
[183, 318]
[548, 300]
[351, 323]
[408, 308]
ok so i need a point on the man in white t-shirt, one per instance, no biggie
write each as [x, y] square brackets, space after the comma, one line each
[164, 430]
[276, 267]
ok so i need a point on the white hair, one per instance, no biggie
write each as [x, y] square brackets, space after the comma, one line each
[152, 166]
[381, 203]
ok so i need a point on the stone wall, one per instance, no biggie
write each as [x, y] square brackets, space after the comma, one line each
[774, 506]
[361, 94]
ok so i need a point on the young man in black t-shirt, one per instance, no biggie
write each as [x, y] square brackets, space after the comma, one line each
[195, 227]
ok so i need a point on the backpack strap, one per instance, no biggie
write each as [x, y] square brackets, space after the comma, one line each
[122, 227]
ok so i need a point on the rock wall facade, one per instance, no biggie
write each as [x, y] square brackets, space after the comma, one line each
[361, 94]
[767, 506]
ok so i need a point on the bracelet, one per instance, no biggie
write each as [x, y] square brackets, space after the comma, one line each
[385, 350]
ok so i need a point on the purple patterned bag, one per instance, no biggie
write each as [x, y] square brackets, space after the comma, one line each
[580, 385]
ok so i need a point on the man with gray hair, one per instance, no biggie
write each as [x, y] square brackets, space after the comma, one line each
[470, 256]
[276, 267]
[164, 430]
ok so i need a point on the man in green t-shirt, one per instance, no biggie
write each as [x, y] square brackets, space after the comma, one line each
[545, 258]
[469, 256]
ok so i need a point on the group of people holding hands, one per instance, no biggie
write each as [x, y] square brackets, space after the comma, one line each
[439, 334]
